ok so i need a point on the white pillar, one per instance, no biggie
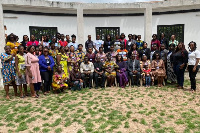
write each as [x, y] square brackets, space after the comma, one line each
[80, 25]
[148, 25]
[2, 40]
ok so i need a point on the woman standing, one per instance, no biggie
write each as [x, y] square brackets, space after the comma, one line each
[101, 54]
[158, 69]
[45, 41]
[33, 77]
[20, 67]
[155, 41]
[24, 42]
[11, 41]
[171, 76]
[133, 51]
[145, 51]
[180, 60]
[91, 56]
[53, 52]
[193, 61]
[46, 63]
[61, 59]
[32, 42]
[110, 70]
[8, 70]
[107, 43]
[122, 75]
[73, 58]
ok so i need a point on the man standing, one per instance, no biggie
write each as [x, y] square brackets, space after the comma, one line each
[97, 44]
[89, 43]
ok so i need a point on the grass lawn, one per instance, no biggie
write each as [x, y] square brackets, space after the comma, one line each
[118, 110]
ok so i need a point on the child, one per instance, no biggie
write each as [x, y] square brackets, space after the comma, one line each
[147, 76]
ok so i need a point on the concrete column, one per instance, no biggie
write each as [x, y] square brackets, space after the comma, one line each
[2, 40]
[80, 25]
[148, 25]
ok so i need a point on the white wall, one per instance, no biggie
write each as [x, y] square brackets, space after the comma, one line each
[127, 24]
[191, 21]
[20, 25]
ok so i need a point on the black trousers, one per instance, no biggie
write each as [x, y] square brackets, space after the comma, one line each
[96, 79]
[85, 78]
[192, 76]
[137, 78]
[47, 77]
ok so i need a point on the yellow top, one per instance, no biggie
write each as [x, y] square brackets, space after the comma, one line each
[13, 46]
[21, 63]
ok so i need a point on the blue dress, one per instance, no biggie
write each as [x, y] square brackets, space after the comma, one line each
[8, 69]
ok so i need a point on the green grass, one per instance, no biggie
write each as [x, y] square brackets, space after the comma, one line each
[104, 110]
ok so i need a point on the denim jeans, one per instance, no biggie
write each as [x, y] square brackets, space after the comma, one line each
[148, 80]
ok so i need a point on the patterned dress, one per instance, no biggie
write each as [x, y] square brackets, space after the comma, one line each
[72, 60]
[81, 56]
[8, 69]
[171, 76]
[59, 81]
[111, 65]
[13, 46]
[53, 53]
[63, 62]
[159, 68]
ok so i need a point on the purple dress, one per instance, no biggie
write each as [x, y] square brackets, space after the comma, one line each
[122, 77]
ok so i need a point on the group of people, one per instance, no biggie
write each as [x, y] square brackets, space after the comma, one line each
[60, 63]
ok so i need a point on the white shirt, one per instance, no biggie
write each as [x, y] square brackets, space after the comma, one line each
[192, 57]
[98, 43]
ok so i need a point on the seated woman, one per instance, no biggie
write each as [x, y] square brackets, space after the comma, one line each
[143, 65]
[8, 70]
[59, 79]
[75, 77]
[101, 54]
[158, 69]
[133, 51]
[91, 56]
[122, 75]
[73, 58]
[110, 70]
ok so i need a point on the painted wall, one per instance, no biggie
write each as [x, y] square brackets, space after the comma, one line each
[133, 24]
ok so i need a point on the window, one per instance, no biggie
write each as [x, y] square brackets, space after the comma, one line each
[103, 31]
[168, 30]
[39, 31]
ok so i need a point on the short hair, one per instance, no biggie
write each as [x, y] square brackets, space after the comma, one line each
[20, 47]
[80, 45]
[6, 47]
[46, 48]
[195, 45]
[155, 35]
[73, 36]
